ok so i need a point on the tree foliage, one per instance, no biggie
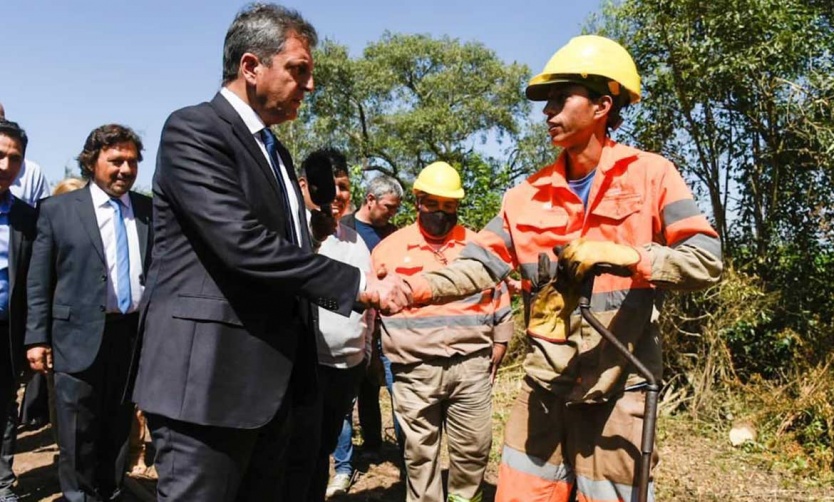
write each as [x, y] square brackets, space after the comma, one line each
[739, 94]
[410, 100]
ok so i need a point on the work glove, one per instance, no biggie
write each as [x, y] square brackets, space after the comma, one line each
[581, 256]
[552, 303]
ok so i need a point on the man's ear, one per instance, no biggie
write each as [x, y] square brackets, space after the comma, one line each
[250, 66]
[604, 105]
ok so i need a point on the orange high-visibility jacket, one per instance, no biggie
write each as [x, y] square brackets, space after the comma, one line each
[456, 328]
[637, 199]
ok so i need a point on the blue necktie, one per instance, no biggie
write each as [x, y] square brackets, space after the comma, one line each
[122, 259]
[272, 149]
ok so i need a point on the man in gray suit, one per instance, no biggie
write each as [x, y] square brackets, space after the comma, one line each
[85, 282]
[227, 330]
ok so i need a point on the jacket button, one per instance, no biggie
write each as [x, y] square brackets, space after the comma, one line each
[103, 278]
[101, 308]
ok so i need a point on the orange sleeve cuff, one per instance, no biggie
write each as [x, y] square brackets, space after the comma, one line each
[420, 289]
[643, 268]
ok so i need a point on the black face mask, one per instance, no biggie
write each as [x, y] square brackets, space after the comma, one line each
[437, 223]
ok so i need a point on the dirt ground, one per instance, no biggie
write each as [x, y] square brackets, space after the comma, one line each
[695, 465]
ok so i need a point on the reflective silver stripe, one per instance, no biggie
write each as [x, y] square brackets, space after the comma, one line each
[528, 464]
[496, 226]
[502, 313]
[711, 245]
[451, 321]
[615, 300]
[679, 210]
[500, 289]
[608, 490]
[474, 299]
[494, 265]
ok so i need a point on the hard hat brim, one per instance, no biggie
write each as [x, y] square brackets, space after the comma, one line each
[539, 86]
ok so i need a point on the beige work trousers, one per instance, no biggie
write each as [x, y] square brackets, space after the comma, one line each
[454, 392]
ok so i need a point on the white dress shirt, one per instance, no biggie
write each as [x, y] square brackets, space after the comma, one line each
[31, 185]
[105, 216]
[256, 125]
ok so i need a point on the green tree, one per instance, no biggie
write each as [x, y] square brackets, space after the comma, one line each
[410, 100]
[738, 94]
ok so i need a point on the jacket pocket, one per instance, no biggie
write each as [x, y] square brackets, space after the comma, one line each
[619, 207]
[544, 222]
[61, 312]
[198, 308]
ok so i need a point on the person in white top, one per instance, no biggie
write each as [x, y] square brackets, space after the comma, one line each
[31, 184]
[343, 344]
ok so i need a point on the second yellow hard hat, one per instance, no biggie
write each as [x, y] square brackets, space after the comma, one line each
[440, 179]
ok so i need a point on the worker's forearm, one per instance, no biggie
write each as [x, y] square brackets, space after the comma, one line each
[459, 279]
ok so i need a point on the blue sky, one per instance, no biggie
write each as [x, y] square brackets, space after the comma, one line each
[68, 67]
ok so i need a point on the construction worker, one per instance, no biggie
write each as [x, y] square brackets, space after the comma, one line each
[443, 357]
[577, 421]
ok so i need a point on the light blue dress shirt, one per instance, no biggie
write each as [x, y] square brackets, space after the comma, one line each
[5, 207]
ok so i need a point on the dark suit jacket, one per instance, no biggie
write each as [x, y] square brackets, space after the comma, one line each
[22, 224]
[226, 312]
[68, 277]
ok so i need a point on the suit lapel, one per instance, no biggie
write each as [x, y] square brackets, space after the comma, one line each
[142, 224]
[227, 113]
[87, 214]
[286, 158]
[15, 242]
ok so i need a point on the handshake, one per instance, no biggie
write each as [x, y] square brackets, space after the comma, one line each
[389, 294]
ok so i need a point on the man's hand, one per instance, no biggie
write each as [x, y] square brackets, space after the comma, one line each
[322, 225]
[387, 293]
[498, 351]
[40, 358]
[580, 256]
[513, 285]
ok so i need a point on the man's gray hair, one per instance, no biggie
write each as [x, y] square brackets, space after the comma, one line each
[384, 185]
[262, 29]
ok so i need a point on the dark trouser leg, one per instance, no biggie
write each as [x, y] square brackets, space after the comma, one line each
[218, 464]
[264, 475]
[304, 442]
[8, 424]
[94, 423]
[34, 411]
[370, 418]
[339, 390]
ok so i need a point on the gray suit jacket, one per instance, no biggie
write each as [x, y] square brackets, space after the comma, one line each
[226, 321]
[68, 277]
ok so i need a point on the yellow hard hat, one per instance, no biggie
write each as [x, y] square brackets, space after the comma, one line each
[583, 61]
[441, 179]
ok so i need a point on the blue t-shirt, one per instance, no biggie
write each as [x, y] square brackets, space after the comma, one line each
[582, 187]
[371, 235]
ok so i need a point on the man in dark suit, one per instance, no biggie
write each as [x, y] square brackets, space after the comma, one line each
[85, 283]
[227, 336]
[17, 231]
